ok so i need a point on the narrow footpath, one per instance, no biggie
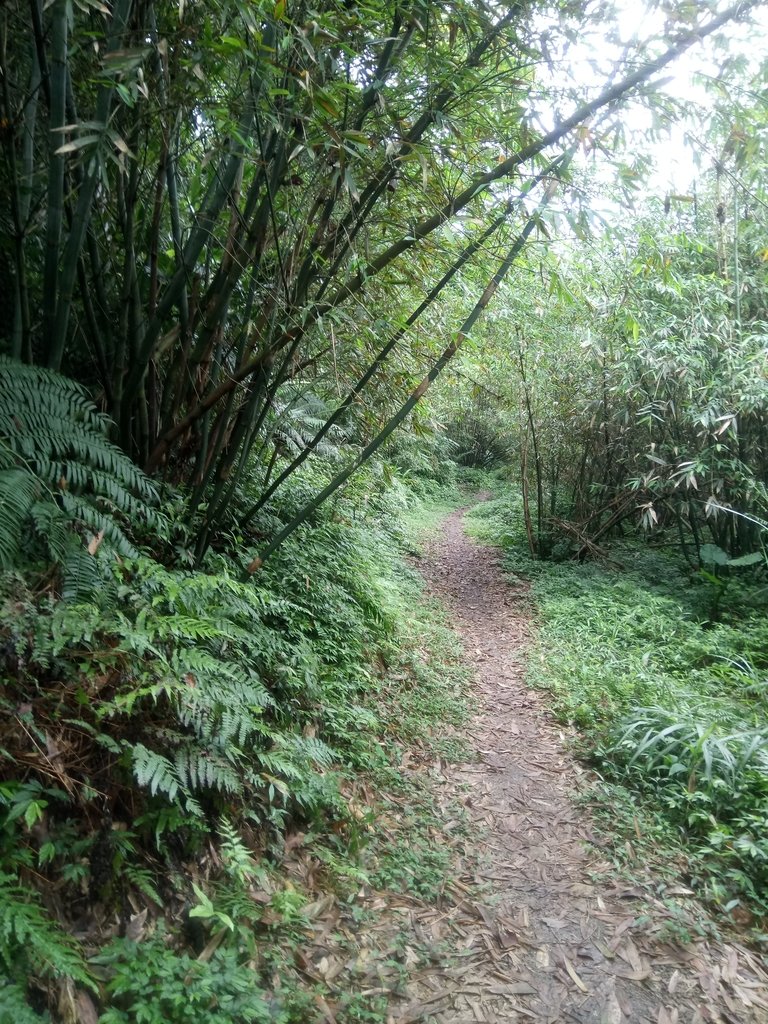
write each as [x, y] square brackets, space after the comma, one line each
[548, 943]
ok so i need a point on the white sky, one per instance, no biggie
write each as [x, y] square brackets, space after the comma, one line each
[587, 63]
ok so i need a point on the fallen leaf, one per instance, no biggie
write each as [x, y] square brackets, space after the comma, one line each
[95, 543]
[574, 976]
[135, 928]
[86, 1011]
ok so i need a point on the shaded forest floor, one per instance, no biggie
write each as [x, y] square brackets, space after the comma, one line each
[536, 926]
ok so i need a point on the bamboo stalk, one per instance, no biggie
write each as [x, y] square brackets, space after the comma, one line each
[205, 220]
[422, 229]
[20, 326]
[57, 87]
[464, 257]
[407, 406]
[65, 279]
[437, 102]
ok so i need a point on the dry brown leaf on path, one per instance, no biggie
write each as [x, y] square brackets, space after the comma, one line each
[573, 975]
[668, 1016]
[328, 1015]
[417, 1011]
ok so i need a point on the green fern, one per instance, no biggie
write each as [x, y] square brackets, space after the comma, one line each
[19, 491]
[29, 938]
[155, 772]
[14, 1006]
[205, 769]
[311, 750]
[144, 881]
[61, 475]
[295, 423]
[237, 858]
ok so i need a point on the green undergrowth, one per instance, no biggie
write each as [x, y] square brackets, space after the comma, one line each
[191, 761]
[665, 677]
[420, 521]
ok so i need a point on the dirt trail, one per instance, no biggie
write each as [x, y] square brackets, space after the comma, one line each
[547, 944]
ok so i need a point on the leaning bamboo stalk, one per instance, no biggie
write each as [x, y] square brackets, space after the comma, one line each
[205, 221]
[389, 61]
[407, 406]
[584, 112]
[464, 257]
[437, 101]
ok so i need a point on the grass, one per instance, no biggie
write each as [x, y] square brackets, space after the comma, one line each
[670, 706]
[421, 519]
[418, 700]
[421, 701]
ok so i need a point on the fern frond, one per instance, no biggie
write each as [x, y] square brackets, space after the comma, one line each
[52, 523]
[29, 938]
[83, 512]
[279, 765]
[144, 881]
[311, 749]
[55, 443]
[19, 491]
[15, 1007]
[206, 769]
[80, 574]
[155, 772]
[22, 380]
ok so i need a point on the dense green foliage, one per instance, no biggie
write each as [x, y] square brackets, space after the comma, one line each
[150, 984]
[61, 478]
[629, 374]
[218, 216]
[169, 708]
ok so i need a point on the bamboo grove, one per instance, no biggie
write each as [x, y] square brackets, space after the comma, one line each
[210, 208]
[627, 379]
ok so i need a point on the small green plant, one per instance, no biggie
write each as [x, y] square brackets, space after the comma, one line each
[206, 911]
[716, 566]
[14, 1005]
[415, 865]
[32, 944]
[288, 904]
[151, 983]
[356, 1008]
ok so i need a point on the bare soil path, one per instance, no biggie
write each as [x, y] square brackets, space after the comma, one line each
[547, 943]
